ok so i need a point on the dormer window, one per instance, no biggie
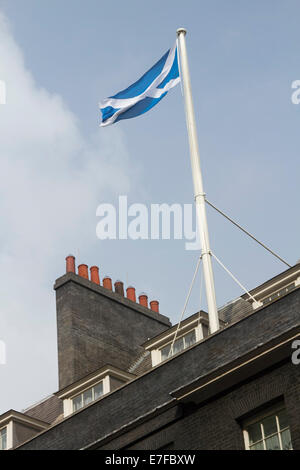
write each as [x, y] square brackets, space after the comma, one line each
[190, 331]
[88, 396]
[92, 387]
[15, 425]
[179, 345]
[3, 438]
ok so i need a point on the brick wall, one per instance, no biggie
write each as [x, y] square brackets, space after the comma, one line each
[217, 425]
[96, 327]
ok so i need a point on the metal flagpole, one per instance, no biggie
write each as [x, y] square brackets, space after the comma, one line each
[198, 184]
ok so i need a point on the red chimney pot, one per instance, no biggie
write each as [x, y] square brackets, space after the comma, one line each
[107, 283]
[70, 264]
[143, 299]
[95, 274]
[154, 305]
[130, 291]
[83, 271]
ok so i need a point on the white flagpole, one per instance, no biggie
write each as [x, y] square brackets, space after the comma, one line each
[198, 184]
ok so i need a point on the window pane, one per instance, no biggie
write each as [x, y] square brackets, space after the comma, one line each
[286, 440]
[258, 446]
[283, 421]
[77, 403]
[3, 436]
[98, 390]
[270, 426]
[272, 443]
[87, 397]
[178, 345]
[189, 339]
[165, 352]
[254, 431]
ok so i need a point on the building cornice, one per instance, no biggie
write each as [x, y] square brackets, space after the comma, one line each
[255, 361]
[274, 284]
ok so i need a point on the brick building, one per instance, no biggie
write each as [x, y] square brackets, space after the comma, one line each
[122, 386]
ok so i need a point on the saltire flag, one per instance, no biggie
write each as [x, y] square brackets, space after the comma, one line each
[138, 98]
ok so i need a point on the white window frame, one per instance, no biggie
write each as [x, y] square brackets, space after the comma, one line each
[2, 429]
[68, 402]
[9, 435]
[87, 390]
[104, 375]
[156, 353]
[258, 419]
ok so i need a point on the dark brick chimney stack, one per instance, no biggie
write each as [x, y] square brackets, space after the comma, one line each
[96, 326]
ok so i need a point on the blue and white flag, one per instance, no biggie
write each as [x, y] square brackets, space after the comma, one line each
[145, 93]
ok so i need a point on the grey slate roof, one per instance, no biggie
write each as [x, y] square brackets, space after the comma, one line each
[142, 364]
[235, 310]
[48, 410]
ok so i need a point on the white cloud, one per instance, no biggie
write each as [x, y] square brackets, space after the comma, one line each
[52, 180]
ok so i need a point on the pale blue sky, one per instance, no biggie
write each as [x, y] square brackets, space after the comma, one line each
[243, 58]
